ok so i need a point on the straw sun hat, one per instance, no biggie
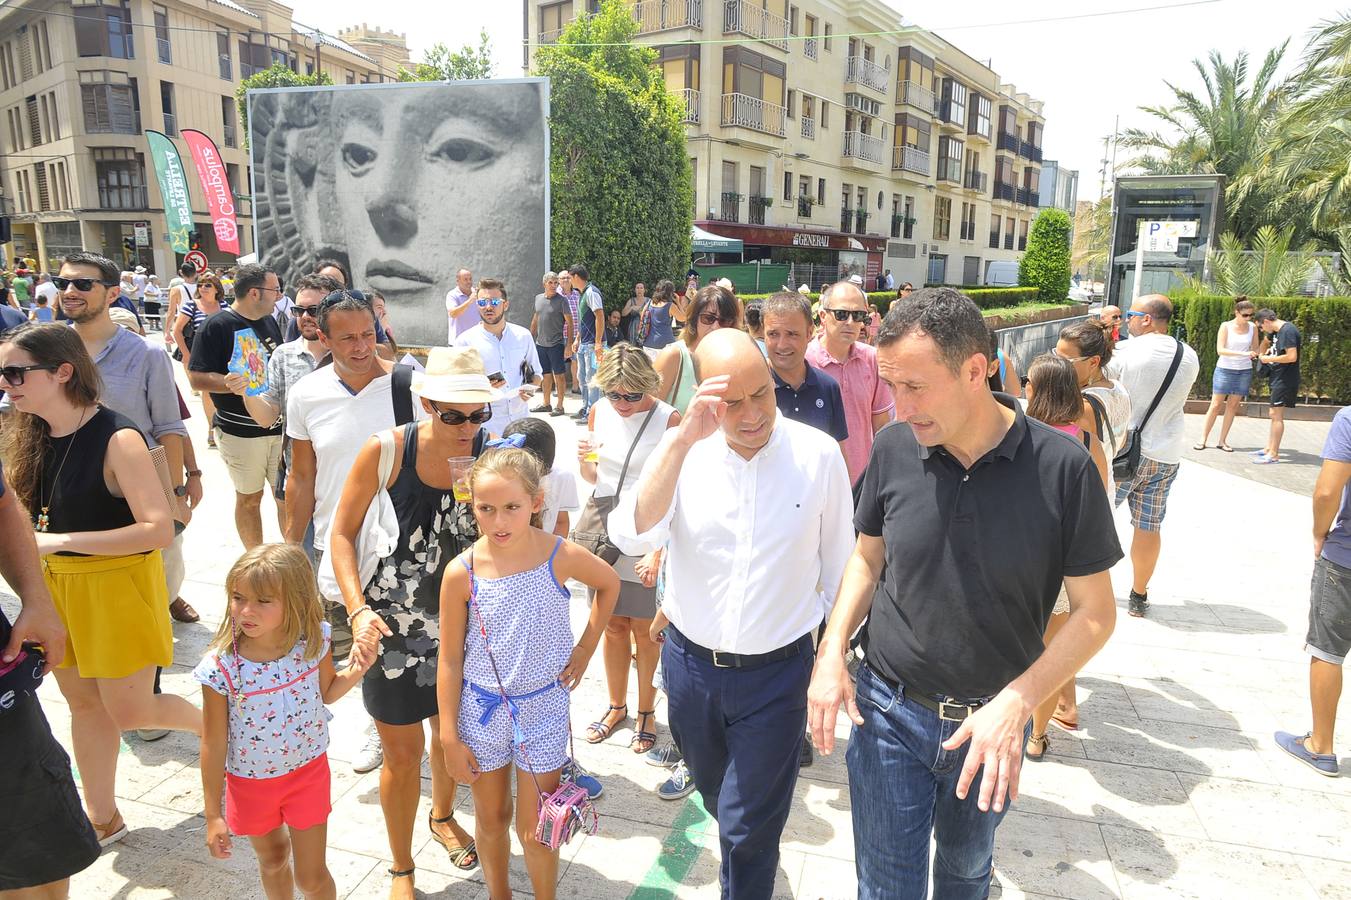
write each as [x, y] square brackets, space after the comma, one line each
[454, 375]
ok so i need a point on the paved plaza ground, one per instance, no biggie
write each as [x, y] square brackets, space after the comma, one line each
[1173, 788]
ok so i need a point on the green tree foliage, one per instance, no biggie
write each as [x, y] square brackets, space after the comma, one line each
[274, 77]
[619, 173]
[440, 63]
[1093, 239]
[1046, 264]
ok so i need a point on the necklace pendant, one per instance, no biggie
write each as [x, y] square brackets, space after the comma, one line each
[43, 521]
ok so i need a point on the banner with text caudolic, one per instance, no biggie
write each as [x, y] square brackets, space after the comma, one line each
[220, 199]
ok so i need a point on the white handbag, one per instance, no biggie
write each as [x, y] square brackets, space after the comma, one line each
[379, 534]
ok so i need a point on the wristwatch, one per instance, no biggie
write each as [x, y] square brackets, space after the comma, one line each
[181, 490]
[193, 473]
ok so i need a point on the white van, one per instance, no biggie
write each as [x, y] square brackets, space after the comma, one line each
[1001, 273]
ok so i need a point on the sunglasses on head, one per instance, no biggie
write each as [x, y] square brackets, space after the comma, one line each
[485, 302]
[455, 417]
[844, 315]
[16, 374]
[81, 284]
[712, 318]
[615, 396]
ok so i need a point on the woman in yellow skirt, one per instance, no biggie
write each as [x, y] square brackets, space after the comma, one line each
[101, 518]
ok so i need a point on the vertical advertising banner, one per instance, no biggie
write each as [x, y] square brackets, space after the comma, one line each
[173, 187]
[220, 200]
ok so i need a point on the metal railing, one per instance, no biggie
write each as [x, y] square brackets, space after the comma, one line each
[229, 135]
[809, 48]
[752, 112]
[1031, 151]
[861, 221]
[1006, 141]
[808, 127]
[1008, 242]
[910, 159]
[1026, 197]
[691, 105]
[745, 17]
[551, 36]
[846, 219]
[918, 96]
[860, 70]
[869, 147]
[976, 181]
[731, 207]
[994, 240]
[804, 207]
[660, 15]
[758, 205]
[1004, 191]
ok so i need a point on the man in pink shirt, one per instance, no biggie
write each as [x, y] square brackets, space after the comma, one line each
[841, 353]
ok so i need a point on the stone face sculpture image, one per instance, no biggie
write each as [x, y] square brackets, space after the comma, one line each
[406, 184]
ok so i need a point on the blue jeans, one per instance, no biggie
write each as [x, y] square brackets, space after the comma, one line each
[586, 370]
[902, 786]
[741, 731]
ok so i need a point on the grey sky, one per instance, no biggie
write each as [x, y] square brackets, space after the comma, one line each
[1086, 70]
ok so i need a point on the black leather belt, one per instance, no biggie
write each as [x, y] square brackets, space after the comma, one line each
[949, 709]
[724, 660]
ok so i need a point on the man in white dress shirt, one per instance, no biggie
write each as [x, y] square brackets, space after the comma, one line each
[508, 351]
[756, 510]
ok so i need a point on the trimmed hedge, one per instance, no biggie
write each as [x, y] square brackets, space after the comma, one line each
[1324, 323]
[985, 298]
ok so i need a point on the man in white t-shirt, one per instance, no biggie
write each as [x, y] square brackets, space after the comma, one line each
[508, 351]
[461, 309]
[45, 288]
[138, 283]
[1141, 366]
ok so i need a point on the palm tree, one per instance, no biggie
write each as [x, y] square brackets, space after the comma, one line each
[1270, 269]
[1308, 153]
[1221, 132]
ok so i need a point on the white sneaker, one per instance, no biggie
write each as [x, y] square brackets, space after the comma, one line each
[371, 755]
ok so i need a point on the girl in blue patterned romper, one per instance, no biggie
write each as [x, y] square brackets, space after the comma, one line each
[510, 585]
[265, 680]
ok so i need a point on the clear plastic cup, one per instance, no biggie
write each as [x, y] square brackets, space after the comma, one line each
[593, 448]
[459, 477]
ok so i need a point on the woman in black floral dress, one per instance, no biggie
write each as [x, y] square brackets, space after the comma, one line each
[402, 601]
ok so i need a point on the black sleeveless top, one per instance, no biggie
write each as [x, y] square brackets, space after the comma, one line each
[78, 499]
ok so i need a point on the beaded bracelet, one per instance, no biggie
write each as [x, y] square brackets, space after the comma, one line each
[365, 607]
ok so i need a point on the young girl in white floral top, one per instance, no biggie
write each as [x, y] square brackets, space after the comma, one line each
[265, 680]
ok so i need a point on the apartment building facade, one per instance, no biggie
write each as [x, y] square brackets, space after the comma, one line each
[81, 81]
[832, 135]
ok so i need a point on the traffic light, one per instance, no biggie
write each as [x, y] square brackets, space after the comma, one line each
[194, 240]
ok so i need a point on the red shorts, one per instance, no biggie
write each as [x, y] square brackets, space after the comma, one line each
[299, 799]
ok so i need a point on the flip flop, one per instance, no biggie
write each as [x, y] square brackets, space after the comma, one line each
[1225, 447]
[1198, 446]
[1064, 724]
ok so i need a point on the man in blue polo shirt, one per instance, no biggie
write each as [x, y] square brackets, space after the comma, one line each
[803, 393]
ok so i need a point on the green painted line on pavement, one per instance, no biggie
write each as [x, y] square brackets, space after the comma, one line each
[679, 851]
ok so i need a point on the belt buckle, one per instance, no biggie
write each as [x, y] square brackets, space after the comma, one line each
[944, 706]
[722, 665]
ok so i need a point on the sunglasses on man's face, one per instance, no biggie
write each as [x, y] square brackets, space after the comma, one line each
[312, 311]
[714, 318]
[15, 375]
[616, 396]
[844, 315]
[81, 284]
[455, 417]
[493, 302]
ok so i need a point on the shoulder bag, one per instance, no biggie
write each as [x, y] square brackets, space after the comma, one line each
[1127, 460]
[591, 531]
[379, 535]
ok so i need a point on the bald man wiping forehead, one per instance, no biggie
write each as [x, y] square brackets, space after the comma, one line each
[756, 511]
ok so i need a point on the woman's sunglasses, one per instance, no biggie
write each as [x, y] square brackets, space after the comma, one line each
[844, 315]
[81, 284]
[713, 318]
[455, 417]
[16, 374]
[616, 396]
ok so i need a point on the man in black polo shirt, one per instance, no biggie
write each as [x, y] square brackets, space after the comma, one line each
[240, 339]
[977, 514]
[801, 392]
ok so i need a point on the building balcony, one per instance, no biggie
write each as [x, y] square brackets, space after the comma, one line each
[978, 134]
[808, 128]
[758, 206]
[551, 36]
[1026, 197]
[846, 220]
[951, 116]
[867, 147]
[950, 170]
[859, 70]
[910, 159]
[691, 106]
[809, 48]
[229, 135]
[1004, 191]
[744, 111]
[1008, 242]
[976, 181]
[918, 96]
[663, 15]
[804, 207]
[994, 240]
[861, 221]
[1029, 150]
[745, 17]
[731, 207]
[1006, 141]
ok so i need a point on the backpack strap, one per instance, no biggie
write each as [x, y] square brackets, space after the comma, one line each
[401, 393]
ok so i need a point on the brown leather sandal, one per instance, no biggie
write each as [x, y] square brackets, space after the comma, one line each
[464, 858]
[182, 611]
[111, 831]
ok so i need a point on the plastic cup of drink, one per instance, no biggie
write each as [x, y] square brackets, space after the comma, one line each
[593, 447]
[459, 477]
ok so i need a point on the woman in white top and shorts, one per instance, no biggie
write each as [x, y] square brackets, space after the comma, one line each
[1236, 344]
[627, 424]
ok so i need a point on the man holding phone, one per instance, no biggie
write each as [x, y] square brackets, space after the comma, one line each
[508, 352]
